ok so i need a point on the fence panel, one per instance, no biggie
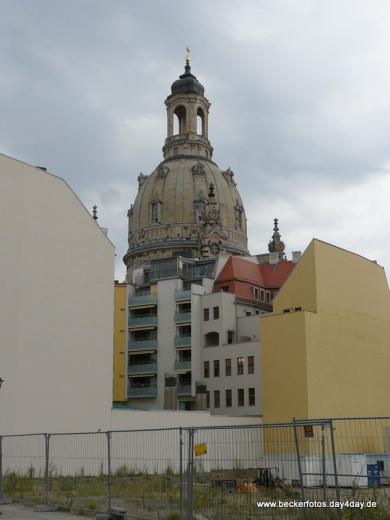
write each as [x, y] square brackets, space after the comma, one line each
[78, 472]
[23, 465]
[147, 472]
[212, 473]
[243, 473]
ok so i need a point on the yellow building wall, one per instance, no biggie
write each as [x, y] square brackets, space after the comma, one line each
[299, 290]
[120, 347]
[334, 362]
[284, 371]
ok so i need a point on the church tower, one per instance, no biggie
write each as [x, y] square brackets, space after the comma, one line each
[187, 206]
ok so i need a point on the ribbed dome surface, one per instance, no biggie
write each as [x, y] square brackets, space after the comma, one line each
[177, 186]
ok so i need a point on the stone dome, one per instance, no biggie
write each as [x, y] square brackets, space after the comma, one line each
[187, 206]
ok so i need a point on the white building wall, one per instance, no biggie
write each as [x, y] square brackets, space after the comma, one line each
[234, 381]
[56, 306]
[248, 326]
[227, 315]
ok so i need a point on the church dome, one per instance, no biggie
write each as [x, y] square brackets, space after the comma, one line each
[187, 206]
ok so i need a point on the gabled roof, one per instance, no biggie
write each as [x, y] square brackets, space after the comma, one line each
[269, 276]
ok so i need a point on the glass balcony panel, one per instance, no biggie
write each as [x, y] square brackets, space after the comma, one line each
[142, 367]
[145, 299]
[143, 321]
[142, 391]
[183, 364]
[182, 317]
[143, 344]
[184, 390]
[182, 295]
[183, 341]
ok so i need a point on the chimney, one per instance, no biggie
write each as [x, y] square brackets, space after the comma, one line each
[296, 255]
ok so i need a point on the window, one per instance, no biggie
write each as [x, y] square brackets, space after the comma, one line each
[200, 128]
[240, 366]
[224, 288]
[216, 313]
[216, 367]
[207, 399]
[211, 339]
[230, 337]
[206, 369]
[155, 210]
[256, 293]
[200, 210]
[251, 364]
[248, 313]
[239, 217]
[228, 367]
[262, 295]
[228, 398]
[251, 397]
[206, 314]
[240, 397]
[217, 401]
[179, 120]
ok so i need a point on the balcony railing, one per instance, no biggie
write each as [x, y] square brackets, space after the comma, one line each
[142, 368]
[183, 341]
[183, 317]
[143, 391]
[183, 295]
[184, 390]
[183, 364]
[145, 299]
[143, 344]
[142, 321]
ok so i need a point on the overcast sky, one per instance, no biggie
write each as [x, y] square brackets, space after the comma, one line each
[300, 94]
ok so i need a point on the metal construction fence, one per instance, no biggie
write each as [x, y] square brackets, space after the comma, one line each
[302, 469]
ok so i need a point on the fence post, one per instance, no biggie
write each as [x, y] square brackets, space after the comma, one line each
[109, 477]
[47, 455]
[190, 471]
[336, 478]
[298, 459]
[181, 471]
[323, 460]
[1, 469]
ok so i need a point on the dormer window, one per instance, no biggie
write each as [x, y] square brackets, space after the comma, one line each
[155, 212]
[200, 210]
[239, 217]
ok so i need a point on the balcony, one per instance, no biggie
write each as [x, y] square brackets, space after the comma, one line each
[183, 317]
[183, 296]
[183, 364]
[144, 344]
[143, 301]
[142, 391]
[143, 368]
[144, 321]
[184, 390]
[183, 341]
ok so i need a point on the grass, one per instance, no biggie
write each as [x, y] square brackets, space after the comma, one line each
[143, 494]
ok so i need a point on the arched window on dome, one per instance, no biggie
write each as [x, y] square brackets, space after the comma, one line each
[200, 130]
[239, 217]
[179, 120]
[155, 212]
[200, 210]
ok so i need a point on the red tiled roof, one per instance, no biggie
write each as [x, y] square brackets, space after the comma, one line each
[269, 276]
